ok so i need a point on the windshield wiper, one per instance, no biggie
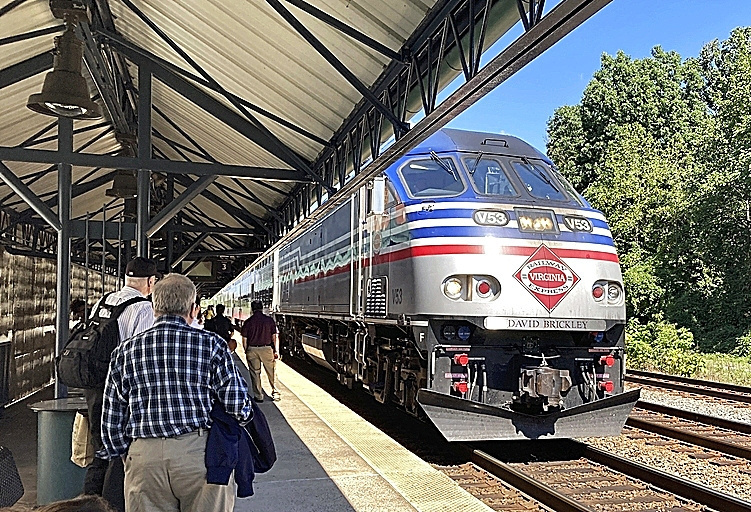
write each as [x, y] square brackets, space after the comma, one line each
[446, 167]
[540, 174]
[474, 165]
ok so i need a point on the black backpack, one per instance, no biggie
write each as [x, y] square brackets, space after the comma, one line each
[84, 361]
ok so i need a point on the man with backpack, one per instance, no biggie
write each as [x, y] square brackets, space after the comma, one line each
[104, 477]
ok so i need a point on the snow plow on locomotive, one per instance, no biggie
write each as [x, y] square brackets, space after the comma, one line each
[470, 283]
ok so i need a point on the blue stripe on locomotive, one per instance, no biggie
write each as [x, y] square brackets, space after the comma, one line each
[466, 213]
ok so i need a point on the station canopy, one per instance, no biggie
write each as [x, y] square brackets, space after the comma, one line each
[258, 109]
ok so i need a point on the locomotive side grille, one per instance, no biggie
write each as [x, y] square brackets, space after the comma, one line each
[376, 301]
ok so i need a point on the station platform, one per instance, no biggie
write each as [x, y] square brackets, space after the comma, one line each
[329, 459]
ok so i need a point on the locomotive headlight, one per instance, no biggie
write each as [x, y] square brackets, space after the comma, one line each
[533, 220]
[609, 292]
[452, 288]
[615, 293]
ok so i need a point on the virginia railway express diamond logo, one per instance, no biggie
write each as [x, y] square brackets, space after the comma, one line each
[546, 277]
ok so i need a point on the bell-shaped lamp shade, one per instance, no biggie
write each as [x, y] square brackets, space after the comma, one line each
[65, 93]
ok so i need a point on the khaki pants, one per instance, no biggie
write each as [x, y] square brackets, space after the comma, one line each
[256, 357]
[169, 475]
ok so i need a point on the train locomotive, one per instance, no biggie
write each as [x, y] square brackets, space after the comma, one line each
[469, 283]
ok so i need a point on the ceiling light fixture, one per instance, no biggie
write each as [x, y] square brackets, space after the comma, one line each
[124, 185]
[65, 93]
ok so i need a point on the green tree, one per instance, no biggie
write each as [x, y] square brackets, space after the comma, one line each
[663, 147]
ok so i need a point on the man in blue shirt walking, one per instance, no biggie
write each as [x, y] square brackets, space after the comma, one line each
[158, 397]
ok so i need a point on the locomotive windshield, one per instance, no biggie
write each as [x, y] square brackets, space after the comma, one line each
[489, 178]
[432, 177]
[538, 182]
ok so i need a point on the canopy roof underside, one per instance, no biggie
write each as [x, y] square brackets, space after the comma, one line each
[252, 52]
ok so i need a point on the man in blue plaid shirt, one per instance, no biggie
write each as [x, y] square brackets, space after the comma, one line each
[159, 392]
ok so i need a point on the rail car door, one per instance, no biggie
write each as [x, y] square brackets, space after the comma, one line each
[369, 292]
[357, 250]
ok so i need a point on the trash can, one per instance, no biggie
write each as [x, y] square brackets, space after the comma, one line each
[57, 477]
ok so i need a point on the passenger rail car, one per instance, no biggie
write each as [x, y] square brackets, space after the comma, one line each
[470, 282]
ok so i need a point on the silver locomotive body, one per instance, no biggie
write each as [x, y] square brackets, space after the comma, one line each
[470, 283]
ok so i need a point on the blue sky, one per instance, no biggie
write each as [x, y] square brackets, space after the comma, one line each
[522, 105]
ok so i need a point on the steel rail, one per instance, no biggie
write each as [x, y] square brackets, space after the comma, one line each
[688, 388]
[737, 426]
[694, 438]
[676, 485]
[526, 484]
[688, 380]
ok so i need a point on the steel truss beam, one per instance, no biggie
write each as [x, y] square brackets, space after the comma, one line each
[238, 213]
[32, 34]
[167, 213]
[231, 252]
[10, 6]
[352, 32]
[36, 204]
[530, 16]
[355, 82]
[177, 148]
[193, 246]
[456, 28]
[26, 69]
[347, 144]
[185, 228]
[109, 82]
[31, 178]
[263, 136]
[211, 105]
[14, 154]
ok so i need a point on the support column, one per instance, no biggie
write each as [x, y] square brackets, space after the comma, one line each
[144, 153]
[142, 212]
[170, 234]
[65, 192]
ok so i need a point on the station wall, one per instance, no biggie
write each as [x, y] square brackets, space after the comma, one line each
[27, 319]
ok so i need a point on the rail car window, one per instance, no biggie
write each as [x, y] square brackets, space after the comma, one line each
[539, 182]
[432, 177]
[489, 178]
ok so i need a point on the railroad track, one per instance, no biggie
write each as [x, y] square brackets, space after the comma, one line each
[718, 434]
[597, 480]
[694, 386]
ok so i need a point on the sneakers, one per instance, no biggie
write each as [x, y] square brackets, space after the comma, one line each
[275, 396]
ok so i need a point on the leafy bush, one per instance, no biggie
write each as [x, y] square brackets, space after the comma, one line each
[743, 345]
[661, 346]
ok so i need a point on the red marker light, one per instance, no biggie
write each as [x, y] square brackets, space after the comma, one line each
[462, 359]
[607, 385]
[483, 288]
[461, 387]
[608, 360]
[598, 292]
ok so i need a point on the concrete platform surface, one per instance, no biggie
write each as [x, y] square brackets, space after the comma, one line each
[329, 459]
